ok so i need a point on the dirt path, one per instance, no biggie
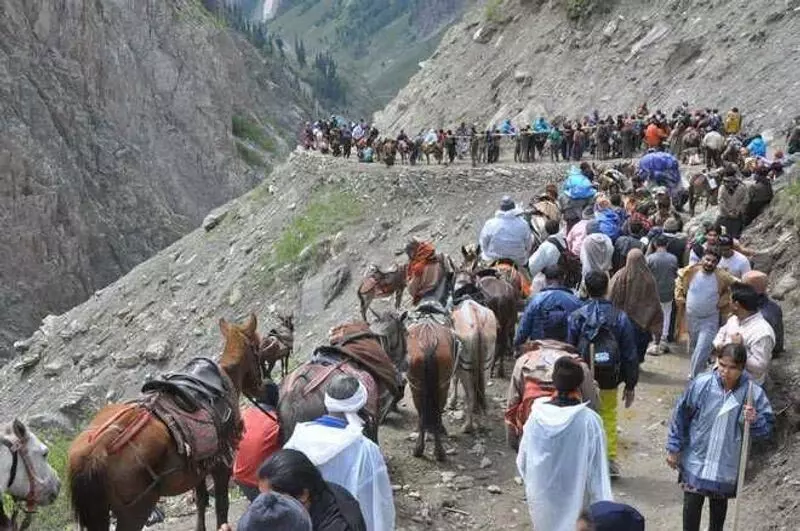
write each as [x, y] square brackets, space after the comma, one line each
[455, 495]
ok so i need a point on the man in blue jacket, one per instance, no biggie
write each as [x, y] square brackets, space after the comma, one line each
[600, 330]
[545, 316]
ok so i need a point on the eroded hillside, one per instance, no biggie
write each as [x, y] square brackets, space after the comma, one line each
[519, 59]
[123, 123]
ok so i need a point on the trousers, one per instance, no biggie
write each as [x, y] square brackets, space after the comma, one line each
[608, 412]
[693, 511]
[666, 308]
[701, 336]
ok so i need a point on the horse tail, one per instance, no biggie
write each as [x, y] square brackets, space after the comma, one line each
[431, 411]
[478, 373]
[88, 483]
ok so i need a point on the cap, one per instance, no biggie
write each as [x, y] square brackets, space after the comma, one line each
[276, 512]
[507, 203]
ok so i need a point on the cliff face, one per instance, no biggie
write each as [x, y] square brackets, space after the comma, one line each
[522, 58]
[117, 137]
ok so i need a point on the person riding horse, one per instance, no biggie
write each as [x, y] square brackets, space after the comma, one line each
[507, 239]
[429, 275]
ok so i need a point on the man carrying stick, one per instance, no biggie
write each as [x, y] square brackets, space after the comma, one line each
[704, 442]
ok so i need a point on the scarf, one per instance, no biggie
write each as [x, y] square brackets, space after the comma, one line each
[633, 290]
[424, 253]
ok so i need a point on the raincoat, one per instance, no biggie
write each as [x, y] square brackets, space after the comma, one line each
[541, 126]
[661, 169]
[507, 236]
[562, 459]
[577, 185]
[346, 457]
[506, 128]
[757, 147]
[706, 429]
[431, 137]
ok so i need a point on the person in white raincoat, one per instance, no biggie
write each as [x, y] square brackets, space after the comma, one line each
[336, 445]
[562, 454]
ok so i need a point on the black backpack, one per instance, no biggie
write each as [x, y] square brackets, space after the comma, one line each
[607, 353]
[569, 262]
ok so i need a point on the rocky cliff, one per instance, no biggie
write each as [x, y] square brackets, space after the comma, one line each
[520, 59]
[123, 123]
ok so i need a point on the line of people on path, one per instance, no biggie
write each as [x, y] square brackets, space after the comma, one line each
[643, 284]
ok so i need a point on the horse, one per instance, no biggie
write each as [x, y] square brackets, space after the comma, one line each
[25, 474]
[128, 458]
[431, 354]
[700, 186]
[435, 149]
[302, 393]
[405, 151]
[277, 345]
[500, 297]
[475, 327]
[504, 269]
[389, 151]
[378, 283]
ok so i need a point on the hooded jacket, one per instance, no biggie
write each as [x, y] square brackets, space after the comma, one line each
[508, 236]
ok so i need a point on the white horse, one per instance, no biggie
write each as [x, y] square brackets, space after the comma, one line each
[25, 474]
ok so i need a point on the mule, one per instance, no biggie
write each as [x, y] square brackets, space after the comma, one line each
[127, 458]
[378, 283]
[700, 186]
[475, 327]
[25, 474]
[404, 149]
[435, 149]
[277, 345]
[431, 356]
[302, 393]
[389, 151]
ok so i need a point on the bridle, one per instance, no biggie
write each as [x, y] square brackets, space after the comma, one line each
[19, 453]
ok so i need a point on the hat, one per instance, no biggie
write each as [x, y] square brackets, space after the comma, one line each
[276, 512]
[611, 516]
[757, 280]
[507, 203]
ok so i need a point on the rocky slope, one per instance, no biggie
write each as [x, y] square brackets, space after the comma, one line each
[295, 242]
[519, 59]
[123, 123]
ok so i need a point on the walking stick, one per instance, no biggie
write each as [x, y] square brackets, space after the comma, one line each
[742, 460]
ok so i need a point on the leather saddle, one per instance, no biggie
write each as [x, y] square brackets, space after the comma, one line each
[199, 383]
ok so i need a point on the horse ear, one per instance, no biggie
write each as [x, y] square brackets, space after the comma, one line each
[252, 325]
[20, 430]
[464, 251]
[404, 315]
[224, 326]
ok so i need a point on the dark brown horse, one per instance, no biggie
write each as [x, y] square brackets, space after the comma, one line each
[302, 393]
[703, 185]
[378, 283]
[278, 344]
[127, 459]
[431, 357]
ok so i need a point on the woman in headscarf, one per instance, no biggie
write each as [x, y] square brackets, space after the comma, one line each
[633, 290]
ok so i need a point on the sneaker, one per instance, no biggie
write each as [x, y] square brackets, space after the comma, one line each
[653, 350]
[663, 348]
[613, 469]
[156, 517]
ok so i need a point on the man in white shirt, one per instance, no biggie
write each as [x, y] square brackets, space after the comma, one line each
[548, 253]
[336, 445]
[748, 327]
[732, 261]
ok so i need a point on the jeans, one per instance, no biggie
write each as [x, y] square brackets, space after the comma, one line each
[693, 510]
[701, 336]
[666, 308]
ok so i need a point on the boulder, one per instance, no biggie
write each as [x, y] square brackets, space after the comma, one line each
[523, 78]
[158, 351]
[214, 218]
[785, 285]
[484, 34]
[127, 360]
[321, 289]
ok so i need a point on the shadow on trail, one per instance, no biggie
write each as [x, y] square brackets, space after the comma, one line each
[659, 378]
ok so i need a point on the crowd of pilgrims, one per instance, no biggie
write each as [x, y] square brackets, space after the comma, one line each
[620, 136]
[610, 279]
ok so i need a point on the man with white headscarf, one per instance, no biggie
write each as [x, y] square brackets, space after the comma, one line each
[336, 445]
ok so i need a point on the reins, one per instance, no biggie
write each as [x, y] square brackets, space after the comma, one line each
[17, 450]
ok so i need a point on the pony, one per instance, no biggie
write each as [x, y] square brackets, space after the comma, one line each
[378, 283]
[127, 459]
[25, 474]
[501, 268]
[431, 353]
[302, 393]
[278, 344]
[389, 151]
[435, 149]
[404, 149]
[476, 328]
[700, 186]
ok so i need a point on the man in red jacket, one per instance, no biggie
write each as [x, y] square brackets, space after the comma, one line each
[259, 441]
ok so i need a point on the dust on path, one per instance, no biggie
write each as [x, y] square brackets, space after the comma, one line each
[425, 501]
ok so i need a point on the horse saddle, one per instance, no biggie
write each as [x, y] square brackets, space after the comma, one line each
[488, 272]
[384, 272]
[199, 383]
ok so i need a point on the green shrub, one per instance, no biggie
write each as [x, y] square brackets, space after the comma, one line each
[252, 132]
[494, 12]
[250, 156]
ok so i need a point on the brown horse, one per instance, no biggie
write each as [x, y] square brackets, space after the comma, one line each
[431, 354]
[302, 394]
[700, 186]
[277, 345]
[404, 148]
[476, 328]
[389, 151]
[127, 459]
[502, 269]
[378, 283]
[435, 149]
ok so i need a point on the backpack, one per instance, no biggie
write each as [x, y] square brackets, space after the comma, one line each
[532, 389]
[569, 262]
[607, 353]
